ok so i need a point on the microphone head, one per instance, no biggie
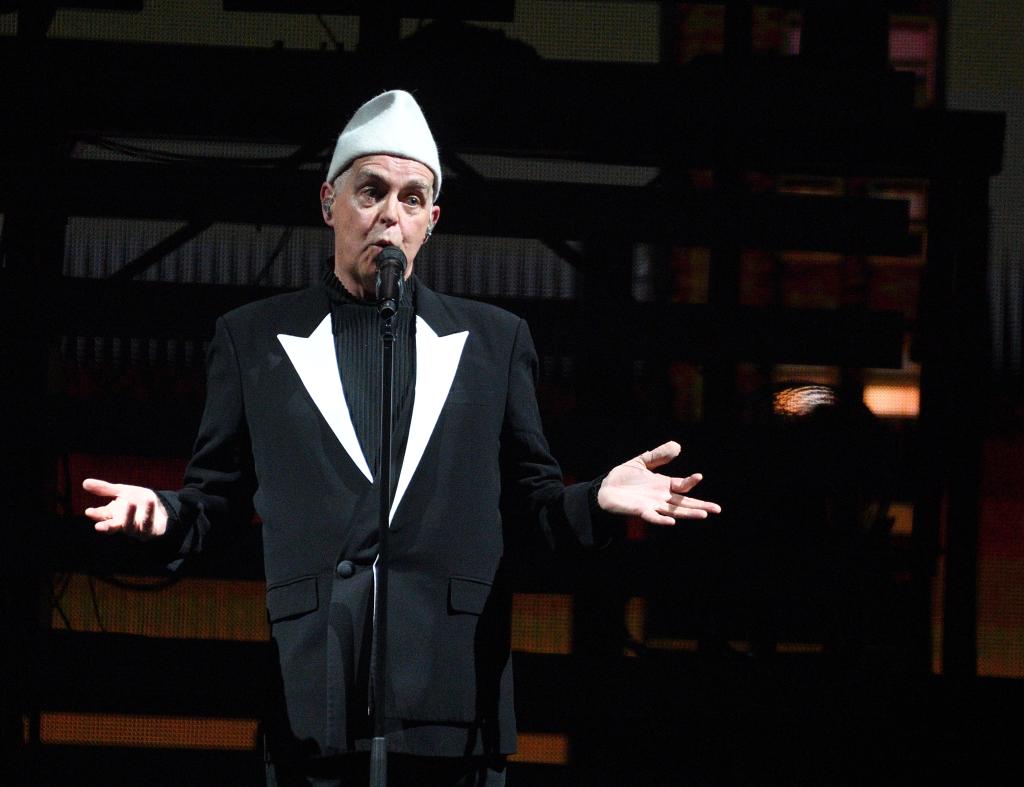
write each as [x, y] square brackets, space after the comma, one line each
[390, 280]
[391, 255]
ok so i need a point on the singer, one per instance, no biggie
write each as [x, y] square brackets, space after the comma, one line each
[291, 427]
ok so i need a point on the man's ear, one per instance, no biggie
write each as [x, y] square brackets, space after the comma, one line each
[435, 214]
[327, 203]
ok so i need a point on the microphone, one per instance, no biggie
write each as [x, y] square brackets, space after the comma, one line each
[390, 280]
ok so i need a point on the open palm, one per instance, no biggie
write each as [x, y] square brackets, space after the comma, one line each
[633, 489]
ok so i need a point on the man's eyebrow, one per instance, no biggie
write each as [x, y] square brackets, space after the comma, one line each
[415, 183]
[418, 183]
[367, 172]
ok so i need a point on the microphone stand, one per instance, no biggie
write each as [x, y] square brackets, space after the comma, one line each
[378, 647]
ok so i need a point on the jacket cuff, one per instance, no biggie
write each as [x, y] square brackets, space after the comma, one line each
[169, 548]
[605, 526]
[595, 528]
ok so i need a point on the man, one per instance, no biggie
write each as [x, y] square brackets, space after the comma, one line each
[291, 425]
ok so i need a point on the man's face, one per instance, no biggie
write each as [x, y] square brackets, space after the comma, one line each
[378, 201]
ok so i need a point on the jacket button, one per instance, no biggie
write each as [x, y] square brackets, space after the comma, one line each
[345, 569]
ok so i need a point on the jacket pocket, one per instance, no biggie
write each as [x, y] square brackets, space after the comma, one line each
[467, 595]
[292, 599]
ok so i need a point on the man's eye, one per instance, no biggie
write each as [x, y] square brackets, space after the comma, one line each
[369, 192]
[413, 201]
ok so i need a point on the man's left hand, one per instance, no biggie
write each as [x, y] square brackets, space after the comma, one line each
[633, 489]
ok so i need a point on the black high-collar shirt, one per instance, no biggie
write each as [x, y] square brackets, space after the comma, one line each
[357, 342]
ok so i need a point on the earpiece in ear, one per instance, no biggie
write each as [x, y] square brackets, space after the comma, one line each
[430, 231]
[326, 205]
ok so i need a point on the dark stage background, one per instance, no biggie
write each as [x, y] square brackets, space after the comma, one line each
[788, 234]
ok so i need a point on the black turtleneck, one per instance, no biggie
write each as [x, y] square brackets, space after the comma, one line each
[357, 344]
[357, 341]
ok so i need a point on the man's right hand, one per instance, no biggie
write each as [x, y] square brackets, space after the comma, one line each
[135, 510]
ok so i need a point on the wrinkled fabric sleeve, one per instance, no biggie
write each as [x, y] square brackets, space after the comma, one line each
[220, 479]
[532, 484]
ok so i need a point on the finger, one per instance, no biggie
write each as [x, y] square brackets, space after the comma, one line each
[109, 526]
[116, 522]
[661, 455]
[655, 518]
[683, 512]
[101, 488]
[146, 522]
[99, 513]
[682, 485]
[111, 521]
[130, 524]
[690, 513]
[681, 502]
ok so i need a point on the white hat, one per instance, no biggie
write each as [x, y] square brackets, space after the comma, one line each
[392, 124]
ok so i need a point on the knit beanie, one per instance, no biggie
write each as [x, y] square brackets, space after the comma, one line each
[390, 124]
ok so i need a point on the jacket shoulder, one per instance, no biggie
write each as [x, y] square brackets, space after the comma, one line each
[482, 310]
[466, 313]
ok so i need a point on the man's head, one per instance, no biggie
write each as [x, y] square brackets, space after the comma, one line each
[380, 189]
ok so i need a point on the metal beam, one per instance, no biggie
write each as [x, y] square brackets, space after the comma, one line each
[490, 11]
[773, 114]
[99, 307]
[183, 235]
[474, 206]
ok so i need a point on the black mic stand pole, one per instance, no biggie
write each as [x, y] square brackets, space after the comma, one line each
[378, 648]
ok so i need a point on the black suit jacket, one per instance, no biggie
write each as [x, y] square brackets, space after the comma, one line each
[276, 432]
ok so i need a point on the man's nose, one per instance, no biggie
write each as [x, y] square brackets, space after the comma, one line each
[389, 210]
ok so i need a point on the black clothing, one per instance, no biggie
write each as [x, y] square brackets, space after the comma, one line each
[277, 432]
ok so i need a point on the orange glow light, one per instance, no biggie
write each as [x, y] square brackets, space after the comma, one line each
[893, 400]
